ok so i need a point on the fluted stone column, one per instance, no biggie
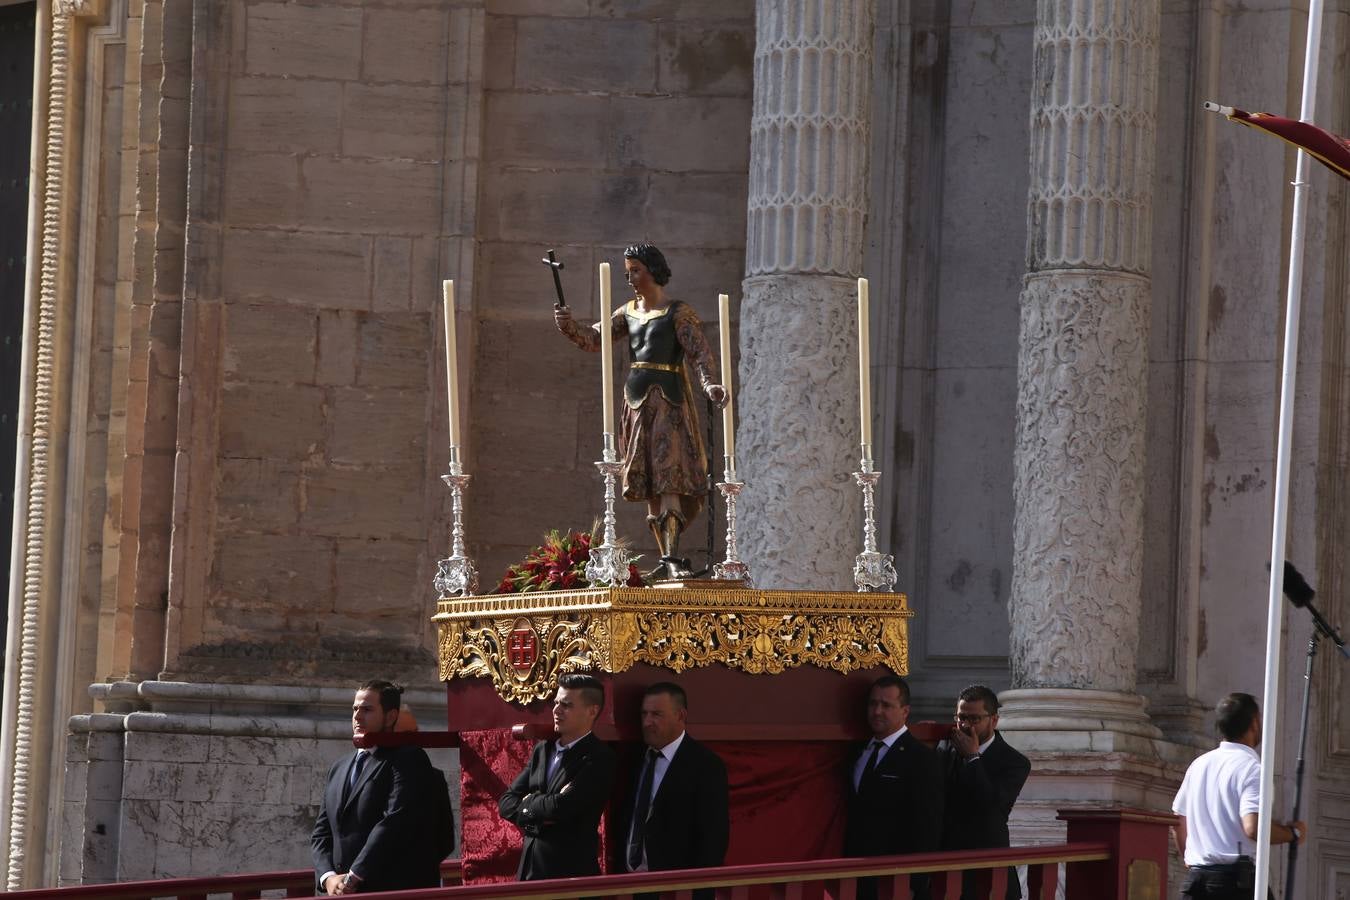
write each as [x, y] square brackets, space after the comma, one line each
[798, 434]
[1079, 459]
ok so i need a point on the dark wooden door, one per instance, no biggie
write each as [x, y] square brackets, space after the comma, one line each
[17, 33]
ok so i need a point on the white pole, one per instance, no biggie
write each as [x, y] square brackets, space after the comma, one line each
[1270, 734]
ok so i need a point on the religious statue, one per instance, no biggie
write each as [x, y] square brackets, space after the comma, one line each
[664, 462]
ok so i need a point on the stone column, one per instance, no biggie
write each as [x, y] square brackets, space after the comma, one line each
[1079, 459]
[798, 430]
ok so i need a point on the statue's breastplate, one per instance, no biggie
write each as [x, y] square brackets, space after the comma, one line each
[657, 356]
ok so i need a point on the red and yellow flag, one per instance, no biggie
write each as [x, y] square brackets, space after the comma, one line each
[1328, 149]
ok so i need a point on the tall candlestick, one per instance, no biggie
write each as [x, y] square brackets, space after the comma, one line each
[864, 370]
[606, 352]
[728, 414]
[451, 369]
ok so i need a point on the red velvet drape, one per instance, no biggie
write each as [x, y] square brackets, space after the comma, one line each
[786, 801]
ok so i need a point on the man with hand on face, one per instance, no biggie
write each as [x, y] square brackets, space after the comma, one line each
[984, 777]
[366, 836]
[559, 797]
[678, 816]
[895, 795]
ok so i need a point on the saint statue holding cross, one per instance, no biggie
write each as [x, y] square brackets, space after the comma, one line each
[664, 460]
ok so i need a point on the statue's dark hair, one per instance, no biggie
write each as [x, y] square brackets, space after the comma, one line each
[652, 258]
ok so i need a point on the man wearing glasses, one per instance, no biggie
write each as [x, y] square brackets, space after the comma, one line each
[984, 776]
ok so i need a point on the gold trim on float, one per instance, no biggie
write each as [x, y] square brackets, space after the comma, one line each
[524, 642]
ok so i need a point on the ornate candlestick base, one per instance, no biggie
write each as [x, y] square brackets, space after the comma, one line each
[731, 568]
[457, 575]
[608, 565]
[872, 570]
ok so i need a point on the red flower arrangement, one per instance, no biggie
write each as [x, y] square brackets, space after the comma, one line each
[558, 564]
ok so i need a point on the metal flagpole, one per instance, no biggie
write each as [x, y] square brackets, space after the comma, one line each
[1270, 732]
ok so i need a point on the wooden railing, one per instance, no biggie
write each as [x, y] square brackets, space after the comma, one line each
[1112, 854]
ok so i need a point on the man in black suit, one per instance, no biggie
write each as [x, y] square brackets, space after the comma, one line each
[895, 792]
[984, 777]
[557, 800]
[677, 816]
[367, 834]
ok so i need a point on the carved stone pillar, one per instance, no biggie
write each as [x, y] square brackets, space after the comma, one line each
[798, 433]
[1079, 459]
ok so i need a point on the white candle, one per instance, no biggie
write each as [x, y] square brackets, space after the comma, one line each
[864, 370]
[606, 352]
[728, 416]
[451, 369]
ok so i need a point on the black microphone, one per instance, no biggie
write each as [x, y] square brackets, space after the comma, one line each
[1301, 594]
[1296, 587]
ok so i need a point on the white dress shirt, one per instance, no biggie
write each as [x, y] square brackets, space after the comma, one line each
[886, 743]
[659, 767]
[557, 756]
[1220, 788]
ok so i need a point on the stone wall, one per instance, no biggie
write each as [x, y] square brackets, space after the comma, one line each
[206, 780]
[605, 123]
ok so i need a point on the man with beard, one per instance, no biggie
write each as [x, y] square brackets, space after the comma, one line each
[368, 835]
[984, 777]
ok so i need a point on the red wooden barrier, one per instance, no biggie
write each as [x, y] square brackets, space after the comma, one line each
[1112, 854]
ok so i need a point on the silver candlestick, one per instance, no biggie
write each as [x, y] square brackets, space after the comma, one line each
[608, 565]
[731, 568]
[871, 570]
[456, 576]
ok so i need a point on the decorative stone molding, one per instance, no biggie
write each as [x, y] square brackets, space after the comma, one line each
[39, 533]
[1065, 712]
[1092, 135]
[1078, 483]
[809, 136]
[76, 8]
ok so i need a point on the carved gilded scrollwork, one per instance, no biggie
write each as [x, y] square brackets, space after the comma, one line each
[528, 644]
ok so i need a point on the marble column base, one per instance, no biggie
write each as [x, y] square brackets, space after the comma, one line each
[1087, 748]
[181, 779]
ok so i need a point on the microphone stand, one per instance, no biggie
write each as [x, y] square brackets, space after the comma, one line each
[1322, 629]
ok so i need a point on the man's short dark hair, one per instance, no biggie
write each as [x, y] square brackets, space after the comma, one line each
[391, 694]
[893, 681]
[978, 693]
[1235, 714]
[652, 258]
[592, 691]
[672, 690]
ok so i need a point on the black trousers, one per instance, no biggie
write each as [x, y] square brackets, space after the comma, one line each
[1226, 881]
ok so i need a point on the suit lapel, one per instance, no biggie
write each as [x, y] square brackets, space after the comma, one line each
[367, 773]
[674, 769]
[569, 762]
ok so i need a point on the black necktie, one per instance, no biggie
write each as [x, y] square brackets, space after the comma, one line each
[871, 762]
[357, 765]
[641, 805]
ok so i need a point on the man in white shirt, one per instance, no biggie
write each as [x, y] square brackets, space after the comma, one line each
[1218, 805]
